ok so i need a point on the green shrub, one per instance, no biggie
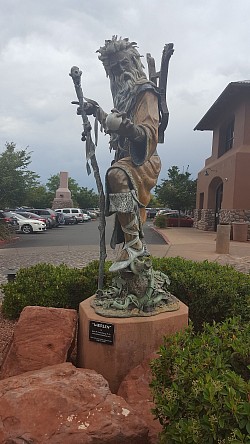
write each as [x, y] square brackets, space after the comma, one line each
[49, 286]
[6, 232]
[161, 221]
[91, 274]
[201, 385]
[212, 292]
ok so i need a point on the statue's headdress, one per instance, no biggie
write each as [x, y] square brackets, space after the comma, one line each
[116, 45]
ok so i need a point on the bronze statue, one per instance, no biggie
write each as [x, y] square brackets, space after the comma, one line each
[133, 128]
[135, 125]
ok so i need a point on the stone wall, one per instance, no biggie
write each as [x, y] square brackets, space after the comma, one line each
[230, 216]
[205, 219]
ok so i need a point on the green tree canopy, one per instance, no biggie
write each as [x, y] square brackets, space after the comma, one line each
[178, 191]
[20, 187]
[15, 177]
[39, 197]
[87, 198]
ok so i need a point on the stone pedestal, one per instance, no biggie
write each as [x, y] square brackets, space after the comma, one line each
[240, 231]
[63, 194]
[223, 239]
[134, 339]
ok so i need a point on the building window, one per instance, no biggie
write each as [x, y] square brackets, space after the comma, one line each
[226, 138]
[229, 136]
[201, 201]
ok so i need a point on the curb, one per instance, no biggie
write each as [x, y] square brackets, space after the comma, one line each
[163, 235]
[4, 242]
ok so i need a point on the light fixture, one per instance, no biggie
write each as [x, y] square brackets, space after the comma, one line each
[207, 173]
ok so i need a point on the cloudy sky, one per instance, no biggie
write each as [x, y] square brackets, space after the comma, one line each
[42, 39]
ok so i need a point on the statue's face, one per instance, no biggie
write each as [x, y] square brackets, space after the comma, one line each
[119, 63]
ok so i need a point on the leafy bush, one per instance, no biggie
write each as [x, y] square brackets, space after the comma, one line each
[212, 292]
[91, 273]
[49, 286]
[6, 232]
[201, 385]
[161, 221]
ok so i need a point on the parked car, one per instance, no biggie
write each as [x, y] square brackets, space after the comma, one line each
[67, 219]
[95, 211]
[28, 226]
[93, 214]
[166, 211]
[76, 212]
[29, 215]
[9, 220]
[86, 215]
[176, 220]
[47, 213]
[151, 212]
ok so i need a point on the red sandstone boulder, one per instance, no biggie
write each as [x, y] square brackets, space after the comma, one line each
[136, 391]
[42, 336]
[65, 405]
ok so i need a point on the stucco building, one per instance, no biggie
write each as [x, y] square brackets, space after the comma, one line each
[223, 185]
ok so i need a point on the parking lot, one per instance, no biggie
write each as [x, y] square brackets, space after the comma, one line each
[85, 233]
[74, 245]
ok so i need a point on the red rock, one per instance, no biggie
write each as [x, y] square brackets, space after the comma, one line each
[65, 405]
[42, 336]
[136, 391]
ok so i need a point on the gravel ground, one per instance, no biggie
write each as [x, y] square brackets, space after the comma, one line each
[6, 331]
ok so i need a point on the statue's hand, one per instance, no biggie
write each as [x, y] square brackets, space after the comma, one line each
[89, 109]
[129, 129]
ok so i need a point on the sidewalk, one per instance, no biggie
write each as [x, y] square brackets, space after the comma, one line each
[198, 245]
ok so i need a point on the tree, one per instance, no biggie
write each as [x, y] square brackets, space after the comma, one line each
[178, 191]
[15, 177]
[39, 197]
[154, 202]
[87, 198]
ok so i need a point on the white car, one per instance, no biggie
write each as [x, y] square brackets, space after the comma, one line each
[76, 212]
[86, 216]
[28, 226]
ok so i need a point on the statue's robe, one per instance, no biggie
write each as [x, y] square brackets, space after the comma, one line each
[138, 159]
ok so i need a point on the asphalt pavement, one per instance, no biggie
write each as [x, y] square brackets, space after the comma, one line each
[74, 245]
[189, 243]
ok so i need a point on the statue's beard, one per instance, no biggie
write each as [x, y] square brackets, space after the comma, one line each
[122, 88]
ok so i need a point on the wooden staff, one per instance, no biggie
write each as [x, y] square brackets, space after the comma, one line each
[75, 73]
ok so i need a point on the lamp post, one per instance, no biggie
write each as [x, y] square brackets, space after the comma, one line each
[11, 275]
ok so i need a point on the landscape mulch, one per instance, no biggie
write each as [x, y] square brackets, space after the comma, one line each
[6, 331]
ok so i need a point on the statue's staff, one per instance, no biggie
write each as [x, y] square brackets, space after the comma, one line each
[75, 73]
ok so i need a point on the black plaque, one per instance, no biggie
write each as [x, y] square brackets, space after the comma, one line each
[101, 332]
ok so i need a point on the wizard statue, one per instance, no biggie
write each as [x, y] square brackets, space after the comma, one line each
[138, 118]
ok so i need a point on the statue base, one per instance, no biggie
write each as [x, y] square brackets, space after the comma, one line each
[113, 346]
[62, 203]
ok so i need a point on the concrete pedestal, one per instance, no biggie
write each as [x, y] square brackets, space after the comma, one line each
[63, 194]
[240, 230]
[223, 239]
[134, 339]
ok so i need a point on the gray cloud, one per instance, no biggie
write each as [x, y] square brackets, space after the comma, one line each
[40, 41]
